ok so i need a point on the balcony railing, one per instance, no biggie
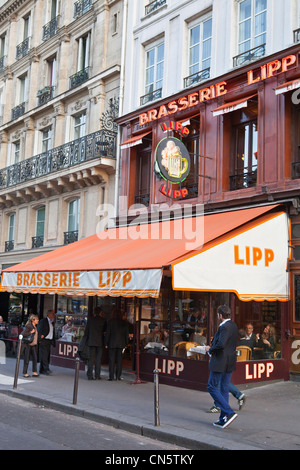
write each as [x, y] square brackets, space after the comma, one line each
[37, 242]
[196, 78]
[249, 56]
[9, 246]
[45, 95]
[153, 6]
[50, 29]
[79, 77]
[99, 144]
[153, 95]
[243, 180]
[18, 111]
[81, 7]
[70, 237]
[22, 49]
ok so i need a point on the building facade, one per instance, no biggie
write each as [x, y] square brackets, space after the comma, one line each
[221, 78]
[59, 94]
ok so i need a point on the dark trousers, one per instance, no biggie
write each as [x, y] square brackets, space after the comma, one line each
[95, 356]
[115, 362]
[45, 347]
[218, 387]
[30, 351]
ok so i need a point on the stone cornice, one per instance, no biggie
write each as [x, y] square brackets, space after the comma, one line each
[9, 8]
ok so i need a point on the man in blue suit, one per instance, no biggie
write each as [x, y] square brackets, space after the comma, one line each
[222, 364]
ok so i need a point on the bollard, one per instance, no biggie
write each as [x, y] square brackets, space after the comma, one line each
[18, 362]
[75, 392]
[156, 397]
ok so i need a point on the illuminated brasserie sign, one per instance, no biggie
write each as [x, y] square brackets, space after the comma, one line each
[172, 160]
[215, 91]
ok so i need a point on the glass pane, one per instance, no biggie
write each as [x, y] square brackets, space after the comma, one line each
[40, 222]
[245, 30]
[74, 207]
[260, 5]
[195, 35]
[194, 55]
[11, 229]
[150, 75]
[260, 24]
[150, 58]
[259, 40]
[245, 9]
[207, 29]
[245, 46]
[160, 53]
[206, 49]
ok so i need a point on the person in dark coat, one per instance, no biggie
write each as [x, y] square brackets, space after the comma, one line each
[46, 334]
[94, 332]
[117, 338]
[222, 364]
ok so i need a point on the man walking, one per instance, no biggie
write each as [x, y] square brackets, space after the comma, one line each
[222, 364]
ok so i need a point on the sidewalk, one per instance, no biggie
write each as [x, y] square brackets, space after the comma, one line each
[270, 419]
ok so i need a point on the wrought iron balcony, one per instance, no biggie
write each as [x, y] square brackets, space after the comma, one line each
[79, 77]
[18, 111]
[99, 144]
[37, 242]
[249, 56]
[153, 95]
[22, 49]
[9, 246]
[243, 180]
[153, 6]
[45, 95]
[81, 7]
[196, 78]
[70, 237]
[50, 29]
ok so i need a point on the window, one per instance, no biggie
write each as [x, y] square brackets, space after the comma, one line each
[26, 27]
[73, 215]
[11, 227]
[79, 126]
[200, 46]
[83, 52]
[51, 71]
[16, 152]
[2, 45]
[154, 68]
[22, 89]
[38, 240]
[46, 139]
[252, 24]
[244, 147]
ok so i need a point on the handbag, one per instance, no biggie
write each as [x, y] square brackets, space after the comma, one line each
[27, 339]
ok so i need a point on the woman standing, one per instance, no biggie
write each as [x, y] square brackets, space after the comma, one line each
[30, 350]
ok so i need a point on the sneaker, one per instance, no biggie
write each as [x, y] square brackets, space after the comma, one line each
[241, 401]
[213, 409]
[223, 423]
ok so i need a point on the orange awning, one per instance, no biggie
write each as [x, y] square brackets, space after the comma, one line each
[120, 255]
[288, 86]
[232, 106]
[136, 140]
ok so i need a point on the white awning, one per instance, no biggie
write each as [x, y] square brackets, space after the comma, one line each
[251, 262]
[289, 86]
[232, 106]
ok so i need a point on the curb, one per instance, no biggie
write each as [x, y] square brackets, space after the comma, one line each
[181, 438]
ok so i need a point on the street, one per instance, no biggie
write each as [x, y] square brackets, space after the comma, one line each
[25, 426]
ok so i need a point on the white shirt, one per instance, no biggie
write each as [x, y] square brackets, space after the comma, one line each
[50, 334]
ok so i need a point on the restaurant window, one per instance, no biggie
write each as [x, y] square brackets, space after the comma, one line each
[143, 174]
[259, 326]
[252, 24]
[297, 298]
[71, 318]
[295, 134]
[244, 146]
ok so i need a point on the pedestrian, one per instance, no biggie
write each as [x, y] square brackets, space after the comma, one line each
[116, 339]
[30, 350]
[94, 333]
[222, 364]
[46, 332]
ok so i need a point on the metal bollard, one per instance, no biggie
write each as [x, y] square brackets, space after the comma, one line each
[75, 392]
[156, 397]
[18, 362]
